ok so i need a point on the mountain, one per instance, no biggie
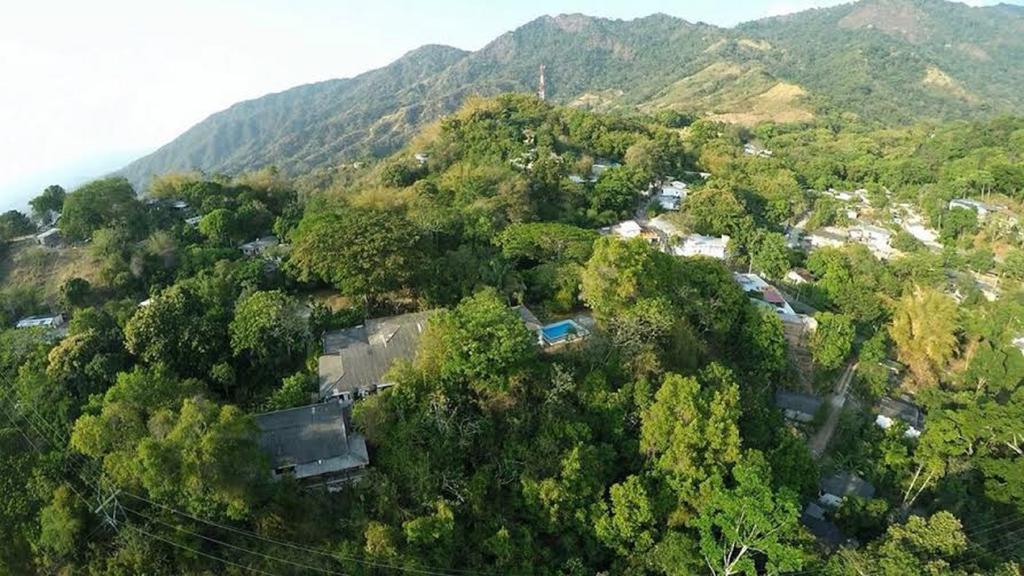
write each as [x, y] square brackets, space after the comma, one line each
[891, 61]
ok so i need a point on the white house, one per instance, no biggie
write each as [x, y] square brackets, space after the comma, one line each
[1019, 343]
[672, 196]
[193, 221]
[980, 208]
[258, 246]
[42, 321]
[710, 246]
[763, 293]
[627, 229]
[799, 276]
[50, 238]
[828, 237]
[876, 238]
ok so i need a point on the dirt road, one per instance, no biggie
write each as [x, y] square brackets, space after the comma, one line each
[837, 400]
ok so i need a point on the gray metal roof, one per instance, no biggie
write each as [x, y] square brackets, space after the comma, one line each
[813, 517]
[847, 484]
[528, 318]
[313, 439]
[797, 402]
[359, 357]
[902, 410]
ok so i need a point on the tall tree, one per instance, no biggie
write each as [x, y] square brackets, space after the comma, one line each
[50, 201]
[924, 328]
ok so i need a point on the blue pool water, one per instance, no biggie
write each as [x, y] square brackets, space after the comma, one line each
[558, 330]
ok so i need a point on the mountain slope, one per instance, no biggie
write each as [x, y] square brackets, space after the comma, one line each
[883, 60]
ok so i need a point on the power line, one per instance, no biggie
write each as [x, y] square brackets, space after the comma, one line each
[200, 552]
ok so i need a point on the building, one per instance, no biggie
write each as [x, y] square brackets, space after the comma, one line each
[671, 196]
[663, 225]
[627, 230]
[828, 237]
[52, 321]
[356, 360]
[313, 443]
[1019, 343]
[710, 246]
[980, 208]
[800, 276]
[258, 246]
[193, 221]
[763, 293]
[876, 238]
[50, 238]
[890, 410]
[179, 205]
[751, 149]
[835, 488]
[421, 158]
[815, 519]
[796, 406]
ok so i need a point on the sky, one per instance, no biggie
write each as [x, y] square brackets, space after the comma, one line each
[87, 86]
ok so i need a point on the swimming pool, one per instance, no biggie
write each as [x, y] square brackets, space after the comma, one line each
[560, 331]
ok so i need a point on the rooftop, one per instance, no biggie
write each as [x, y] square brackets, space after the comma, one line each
[311, 441]
[901, 410]
[358, 358]
[797, 402]
[847, 484]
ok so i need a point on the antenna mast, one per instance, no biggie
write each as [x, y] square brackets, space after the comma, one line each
[542, 91]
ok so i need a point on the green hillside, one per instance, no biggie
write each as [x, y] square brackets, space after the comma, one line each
[891, 61]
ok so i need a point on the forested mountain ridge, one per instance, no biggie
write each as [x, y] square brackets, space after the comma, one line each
[881, 60]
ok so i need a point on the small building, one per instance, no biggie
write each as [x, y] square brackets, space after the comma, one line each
[815, 519]
[763, 293]
[890, 410]
[980, 208]
[751, 149]
[627, 229]
[179, 205]
[313, 444]
[576, 179]
[1019, 343]
[835, 488]
[796, 406]
[664, 225]
[421, 157]
[52, 321]
[258, 246]
[876, 238]
[709, 246]
[828, 237]
[49, 238]
[356, 360]
[193, 221]
[800, 276]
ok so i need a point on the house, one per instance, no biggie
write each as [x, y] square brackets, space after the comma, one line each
[671, 200]
[50, 238]
[828, 237]
[710, 246]
[763, 293]
[796, 406]
[421, 157]
[890, 410]
[576, 179]
[179, 205]
[800, 276]
[356, 360]
[815, 520]
[751, 149]
[193, 221]
[1019, 343]
[313, 443]
[51, 321]
[980, 208]
[258, 246]
[835, 488]
[876, 238]
[627, 230]
[665, 226]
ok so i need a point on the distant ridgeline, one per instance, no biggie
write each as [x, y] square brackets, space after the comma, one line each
[886, 61]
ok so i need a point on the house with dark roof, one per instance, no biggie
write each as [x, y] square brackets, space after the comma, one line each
[841, 485]
[356, 360]
[796, 406]
[313, 443]
[816, 521]
[891, 409]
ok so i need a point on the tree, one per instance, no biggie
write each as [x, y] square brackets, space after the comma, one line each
[619, 273]
[220, 227]
[61, 523]
[615, 193]
[770, 255]
[49, 202]
[832, 340]
[14, 224]
[269, 330]
[691, 431]
[105, 203]
[921, 546]
[361, 251]
[74, 293]
[924, 329]
[627, 524]
[481, 341]
[956, 223]
[546, 242]
[750, 525]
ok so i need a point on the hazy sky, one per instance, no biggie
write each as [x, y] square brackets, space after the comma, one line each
[86, 85]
